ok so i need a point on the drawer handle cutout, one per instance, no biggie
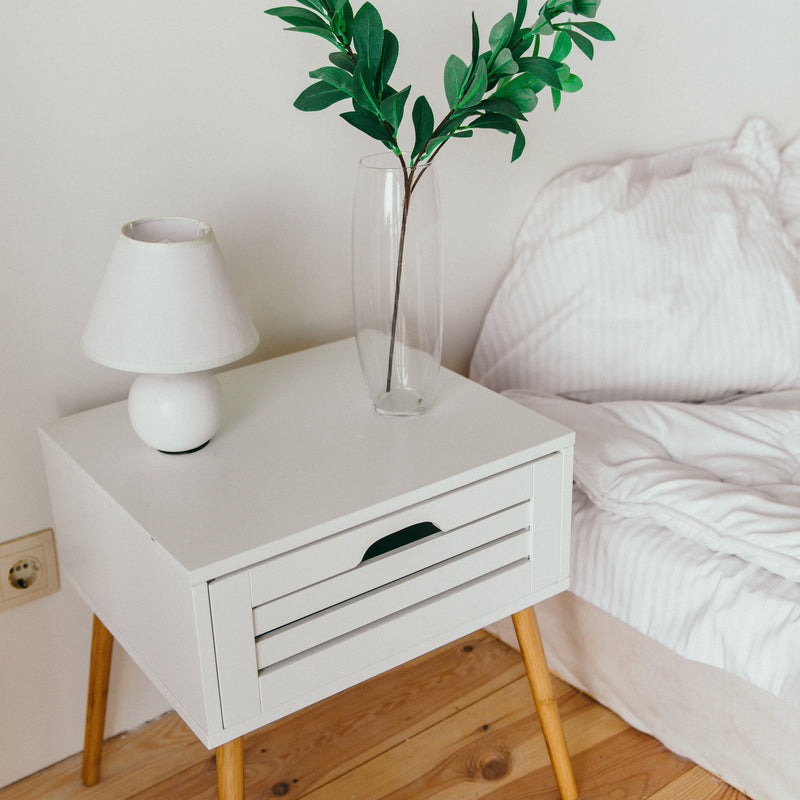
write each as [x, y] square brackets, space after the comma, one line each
[398, 539]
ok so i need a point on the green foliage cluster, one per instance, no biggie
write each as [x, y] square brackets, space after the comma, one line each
[494, 90]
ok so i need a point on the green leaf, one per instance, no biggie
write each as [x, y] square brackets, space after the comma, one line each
[476, 41]
[369, 124]
[582, 42]
[476, 88]
[497, 122]
[501, 33]
[522, 43]
[455, 73]
[525, 99]
[562, 45]
[572, 83]
[522, 81]
[519, 18]
[393, 106]
[343, 24]
[542, 68]
[503, 124]
[596, 30]
[336, 77]
[391, 49]
[543, 27]
[337, 5]
[519, 144]
[422, 117]
[363, 88]
[586, 8]
[502, 105]
[368, 36]
[318, 96]
[325, 33]
[298, 17]
[556, 98]
[552, 8]
[521, 90]
[315, 5]
[504, 63]
[343, 61]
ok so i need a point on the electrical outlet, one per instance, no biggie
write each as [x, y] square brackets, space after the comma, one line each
[28, 569]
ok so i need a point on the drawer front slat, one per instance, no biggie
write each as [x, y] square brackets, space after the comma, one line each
[341, 619]
[343, 551]
[343, 662]
[392, 566]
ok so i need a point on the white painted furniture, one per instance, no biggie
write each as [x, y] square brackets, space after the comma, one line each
[242, 579]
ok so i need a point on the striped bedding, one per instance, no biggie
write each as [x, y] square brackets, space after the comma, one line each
[643, 296]
[686, 526]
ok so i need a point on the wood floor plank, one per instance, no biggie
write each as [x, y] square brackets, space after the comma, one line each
[320, 743]
[635, 764]
[133, 760]
[697, 784]
[456, 724]
[471, 752]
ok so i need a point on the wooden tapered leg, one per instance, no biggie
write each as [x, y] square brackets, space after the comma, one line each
[96, 701]
[230, 770]
[530, 645]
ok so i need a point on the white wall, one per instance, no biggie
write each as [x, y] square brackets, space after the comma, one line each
[113, 111]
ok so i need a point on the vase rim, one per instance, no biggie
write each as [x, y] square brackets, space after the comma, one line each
[388, 160]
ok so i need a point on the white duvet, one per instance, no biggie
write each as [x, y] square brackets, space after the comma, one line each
[686, 526]
[725, 476]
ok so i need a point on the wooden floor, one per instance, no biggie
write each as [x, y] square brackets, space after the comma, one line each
[456, 724]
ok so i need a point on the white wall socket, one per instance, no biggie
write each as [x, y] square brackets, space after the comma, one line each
[28, 569]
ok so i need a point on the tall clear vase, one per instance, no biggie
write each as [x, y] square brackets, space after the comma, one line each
[397, 283]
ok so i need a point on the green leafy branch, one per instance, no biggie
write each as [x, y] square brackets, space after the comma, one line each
[494, 90]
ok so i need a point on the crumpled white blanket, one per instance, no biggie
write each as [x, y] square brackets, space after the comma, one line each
[726, 476]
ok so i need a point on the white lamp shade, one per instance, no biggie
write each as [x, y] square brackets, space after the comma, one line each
[166, 304]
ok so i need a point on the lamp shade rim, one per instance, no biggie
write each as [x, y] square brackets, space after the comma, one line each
[160, 232]
[168, 367]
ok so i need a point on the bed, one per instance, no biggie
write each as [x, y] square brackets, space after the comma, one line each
[653, 306]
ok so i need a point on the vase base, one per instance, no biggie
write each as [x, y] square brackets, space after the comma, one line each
[400, 403]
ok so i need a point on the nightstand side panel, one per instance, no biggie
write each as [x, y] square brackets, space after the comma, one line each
[551, 517]
[140, 594]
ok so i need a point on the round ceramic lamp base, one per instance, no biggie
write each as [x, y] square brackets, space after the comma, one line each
[175, 413]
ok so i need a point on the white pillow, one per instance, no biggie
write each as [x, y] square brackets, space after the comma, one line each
[669, 277]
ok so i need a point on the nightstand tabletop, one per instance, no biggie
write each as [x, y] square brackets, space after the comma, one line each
[301, 454]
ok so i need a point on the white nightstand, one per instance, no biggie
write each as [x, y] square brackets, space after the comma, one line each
[311, 545]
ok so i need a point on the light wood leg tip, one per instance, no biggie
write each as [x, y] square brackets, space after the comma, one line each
[90, 781]
[96, 701]
[530, 645]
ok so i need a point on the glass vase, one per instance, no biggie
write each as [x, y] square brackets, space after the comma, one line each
[397, 283]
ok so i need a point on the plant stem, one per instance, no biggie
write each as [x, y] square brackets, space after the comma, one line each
[408, 178]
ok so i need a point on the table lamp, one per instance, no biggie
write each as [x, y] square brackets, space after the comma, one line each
[167, 310]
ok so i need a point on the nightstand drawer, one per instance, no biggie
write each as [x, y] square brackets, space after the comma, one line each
[293, 629]
[353, 584]
[344, 551]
